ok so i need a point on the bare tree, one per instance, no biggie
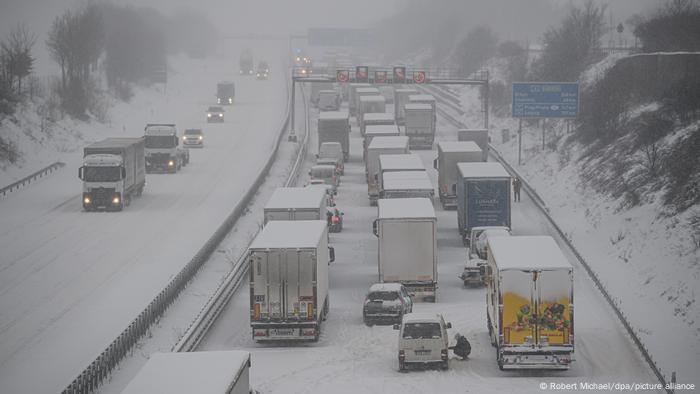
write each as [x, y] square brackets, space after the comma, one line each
[17, 56]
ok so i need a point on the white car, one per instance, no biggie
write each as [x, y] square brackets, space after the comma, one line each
[423, 341]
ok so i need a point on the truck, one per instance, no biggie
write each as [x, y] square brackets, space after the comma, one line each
[328, 100]
[360, 92]
[316, 88]
[394, 163]
[331, 152]
[113, 172]
[352, 93]
[406, 184]
[209, 372]
[483, 196]
[225, 93]
[372, 131]
[473, 274]
[479, 136]
[406, 229]
[374, 118]
[419, 125]
[449, 154]
[296, 203]
[334, 126]
[162, 150]
[289, 280]
[368, 105]
[400, 100]
[529, 303]
[381, 146]
[245, 62]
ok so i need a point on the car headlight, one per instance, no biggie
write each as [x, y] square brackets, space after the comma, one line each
[230, 100]
[200, 137]
[184, 138]
[218, 101]
[171, 163]
[221, 115]
[208, 115]
[115, 200]
[86, 200]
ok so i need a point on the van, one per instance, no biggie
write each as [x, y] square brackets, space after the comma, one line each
[423, 341]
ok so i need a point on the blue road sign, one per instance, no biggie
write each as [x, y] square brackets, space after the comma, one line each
[545, 99]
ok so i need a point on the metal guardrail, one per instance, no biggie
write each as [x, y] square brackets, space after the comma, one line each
[539, 202]
[28, 179]
[91, 377]
[222, 295]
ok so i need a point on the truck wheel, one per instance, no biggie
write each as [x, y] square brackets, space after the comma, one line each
[402, 366]
[498, 359]
[325, 309]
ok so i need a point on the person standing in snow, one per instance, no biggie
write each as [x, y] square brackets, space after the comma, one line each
[516, 189]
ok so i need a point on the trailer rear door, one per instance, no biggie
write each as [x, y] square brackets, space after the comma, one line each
[553, 306]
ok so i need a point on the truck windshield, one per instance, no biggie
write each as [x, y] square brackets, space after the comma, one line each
[160, 141]
[422, 330]
[383, 296]
[102, 174]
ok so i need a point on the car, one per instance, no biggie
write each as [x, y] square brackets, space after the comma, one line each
[193, 138]
[215, 115]
[386, 303]
[263, 71]
[334, 218]
[423, 341]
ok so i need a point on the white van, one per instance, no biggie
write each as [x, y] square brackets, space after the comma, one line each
[423, 340]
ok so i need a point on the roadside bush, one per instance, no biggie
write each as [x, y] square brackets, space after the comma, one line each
[683, 167]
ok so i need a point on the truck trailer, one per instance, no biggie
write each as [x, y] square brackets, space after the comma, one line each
[530, 303]
[483, 196]
[362, 92]
[352, 95]
[419, 120]
[376, 118]
[334, 126]
[406, 184]
[396, 163]
[479, 136]
[225, 93]
[369, 105]
[289, 280]
[449, 154]
[296, 203]
[381, 146]
[371, 131]
[113, 172]
[400, 100]
[406, 229]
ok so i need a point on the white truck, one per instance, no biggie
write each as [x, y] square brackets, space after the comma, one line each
[113, 172]
[381, 146]
[371, 131]
[352, 93]
[296, 203]
[479, 136]
[316, 88]
[334, 126]
[406, 184]
[376, 118]
[400, 100]
[407, 228]
[210, 372]
[401, 162]
[368, 105]
[449, 154]
[328, 100]
[361, 92]
[289, 280]
[419, 126]
[162, 150]
[529, 303]
[332, 152]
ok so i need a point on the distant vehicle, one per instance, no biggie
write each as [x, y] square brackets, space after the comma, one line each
[386, 303]
[215, 115]
[162, 150]
[245, 62]
[377, 130]
[193, 138]
[332, 151]
[381, 146]
[449, 154]
[419, 125]
[400, 101]
[328, 100]
[325, 173]
[479, 136]
[225, 93]
[316, 89]
[210, 372]
[423, 341]
[113, 172]
[263, 71]
[402, 163]
[388, 93]
[334, 126]
[375, 118]
[334, 218]
[473, 273]
[296, 203]
[483, 196]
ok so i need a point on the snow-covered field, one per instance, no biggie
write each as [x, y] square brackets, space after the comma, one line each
[70, 281]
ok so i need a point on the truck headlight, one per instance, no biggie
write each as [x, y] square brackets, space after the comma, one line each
[218, 101]
[221, 115]
[208, 115]
[201, 138]
[171, 163]
[86, 200]
[115, 200]
[230, 100]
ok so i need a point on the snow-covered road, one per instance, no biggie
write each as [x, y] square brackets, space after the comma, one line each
[351, 357]
[71, 281]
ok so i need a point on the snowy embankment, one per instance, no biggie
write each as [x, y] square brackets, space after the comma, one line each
[648, 261]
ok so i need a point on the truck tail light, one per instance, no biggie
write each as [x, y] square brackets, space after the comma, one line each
[310, 310]
[260, 332]
[308, 332]
[256, 311]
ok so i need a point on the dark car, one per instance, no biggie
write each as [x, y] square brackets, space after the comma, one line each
[193, 138]
[386, 303]
[215, 114]
[263, 71]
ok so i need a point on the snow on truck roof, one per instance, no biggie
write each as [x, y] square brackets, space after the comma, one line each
[283, 234]
[399, 208]
[296, 197]
[383, 129]
[114, 142]
[327, 115]
[385, 287]
[406, 180]
[399, 141]
[372, 98]
[188, 372]
[367, 90]
[409, 161]
[416, 106]
[527, 253]
[482, 170]
[458, 146]
[370, 116]
[421, 97]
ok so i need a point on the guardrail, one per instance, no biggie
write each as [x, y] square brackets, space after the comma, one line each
[90, 378]
[28, 179]
[539, 203]
[220, 298]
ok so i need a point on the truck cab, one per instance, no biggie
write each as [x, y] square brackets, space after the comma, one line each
[263, 71]
[162, 148]
[225, 93]
[245, 62]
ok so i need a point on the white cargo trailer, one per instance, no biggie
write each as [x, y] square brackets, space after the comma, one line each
[212, 372]
[407, 228]
[352, 93]
[361, 92]
[400, 100]
[479, 136]
[420, 125]
[530, 303]
[381, 146]
[449, 154]
[334, 126]
[368, 105]
[376, 118]
[296, 203]
[393, 163]
[289, 280]
[383, 130]
[406, 184]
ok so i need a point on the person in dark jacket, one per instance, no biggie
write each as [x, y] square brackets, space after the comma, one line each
[516, 189]
[463, 347]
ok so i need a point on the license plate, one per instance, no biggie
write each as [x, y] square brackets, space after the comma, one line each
[422, 352]
[283, 332]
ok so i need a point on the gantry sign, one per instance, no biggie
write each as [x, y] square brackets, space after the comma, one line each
[396, 75]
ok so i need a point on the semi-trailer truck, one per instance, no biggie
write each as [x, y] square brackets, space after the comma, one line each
[483, 196]
[381, 146]
[162, 150]
[380, 130]
[376, 118]
[400, 100]
[296, 203]
[406, 184]
[419, 125]
[334, 126]
[449, 154]
[479, 136]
